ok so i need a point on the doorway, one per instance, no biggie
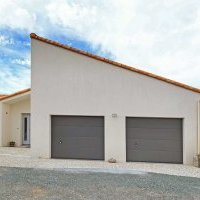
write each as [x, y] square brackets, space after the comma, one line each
[26, 129]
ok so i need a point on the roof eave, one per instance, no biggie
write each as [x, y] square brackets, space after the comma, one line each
[15, 94]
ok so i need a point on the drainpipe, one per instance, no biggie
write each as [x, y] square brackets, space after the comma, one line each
[198, 128]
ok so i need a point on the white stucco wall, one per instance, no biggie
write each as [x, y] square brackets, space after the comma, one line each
[11, 118]
[4, 124]
[16, 111]
[66, 83]
[1, 123]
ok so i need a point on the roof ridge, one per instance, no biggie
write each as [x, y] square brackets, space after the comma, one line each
[127, 67]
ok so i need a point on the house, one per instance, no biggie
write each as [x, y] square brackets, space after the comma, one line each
[83, 106]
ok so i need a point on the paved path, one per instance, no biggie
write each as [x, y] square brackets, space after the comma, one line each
[25, 184]
[25, 161]
[20, 157]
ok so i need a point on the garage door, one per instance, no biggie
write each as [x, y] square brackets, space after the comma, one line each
[76, 137]
[154, 140]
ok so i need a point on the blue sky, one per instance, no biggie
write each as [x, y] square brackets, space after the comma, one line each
[162, 37]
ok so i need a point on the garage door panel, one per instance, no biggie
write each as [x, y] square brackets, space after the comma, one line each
[77, 142]
[152, 133]
[72, 131]
[154, 123]
[84, 153]
[78, 121]
[169, 145]
[156, 156]
[78, 137]
[154, 140]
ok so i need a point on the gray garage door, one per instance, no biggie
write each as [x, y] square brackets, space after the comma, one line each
[75, 137]
[154, 140]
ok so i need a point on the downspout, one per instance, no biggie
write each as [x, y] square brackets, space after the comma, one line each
[198, 128]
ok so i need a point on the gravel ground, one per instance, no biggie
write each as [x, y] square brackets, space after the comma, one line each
[38, 184]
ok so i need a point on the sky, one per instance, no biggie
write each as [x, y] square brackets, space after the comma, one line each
[159, 36]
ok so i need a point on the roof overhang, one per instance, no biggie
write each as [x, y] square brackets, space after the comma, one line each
[16, 97]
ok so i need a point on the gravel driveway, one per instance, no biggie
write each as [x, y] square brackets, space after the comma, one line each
[23, 183]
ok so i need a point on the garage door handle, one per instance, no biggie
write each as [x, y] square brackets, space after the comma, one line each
[60, 141]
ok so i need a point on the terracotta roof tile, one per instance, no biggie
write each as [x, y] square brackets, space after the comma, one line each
[34, 36]
[2, 95]
[15, 94]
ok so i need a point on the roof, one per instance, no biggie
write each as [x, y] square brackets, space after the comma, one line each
[2, 95]
[117, 64]
[15, 94]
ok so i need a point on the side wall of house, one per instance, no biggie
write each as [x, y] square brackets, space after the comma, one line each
[11, 121]
[4, 124]
[66, 83]
[1, 124]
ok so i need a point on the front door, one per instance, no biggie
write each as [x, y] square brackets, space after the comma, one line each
[26, 129]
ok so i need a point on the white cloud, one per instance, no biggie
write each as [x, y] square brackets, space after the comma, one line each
[13, 81]
[4, 40]
[25, 62]
[158, 36]
[15, 15]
